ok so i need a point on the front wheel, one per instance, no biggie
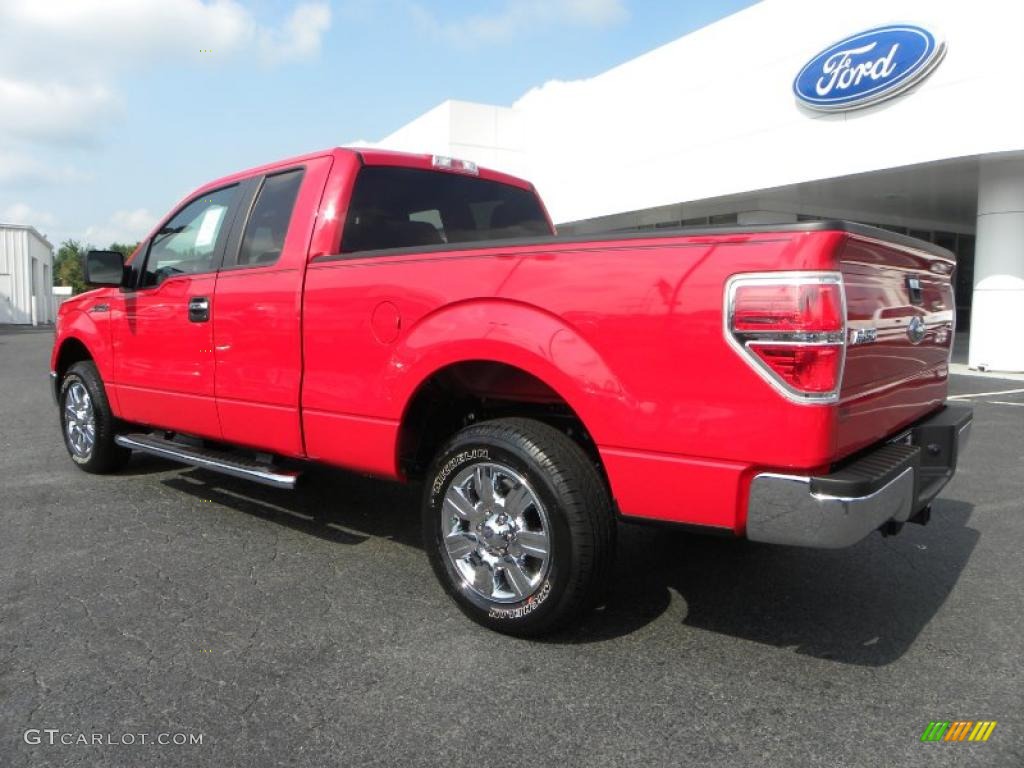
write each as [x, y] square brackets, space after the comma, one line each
[88, 423]
[518, 526]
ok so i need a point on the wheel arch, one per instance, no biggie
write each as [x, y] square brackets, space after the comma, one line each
[469, 391]
[82, 339]
[72, 350]
[505, 358]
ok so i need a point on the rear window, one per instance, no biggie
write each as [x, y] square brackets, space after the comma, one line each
[408, 207]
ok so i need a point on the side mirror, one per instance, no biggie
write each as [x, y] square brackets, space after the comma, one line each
[103, 268]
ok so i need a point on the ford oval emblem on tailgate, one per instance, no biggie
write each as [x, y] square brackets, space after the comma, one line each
[867, 68]
[916, 330]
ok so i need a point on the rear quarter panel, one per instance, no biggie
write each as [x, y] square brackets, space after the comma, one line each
[628, 332]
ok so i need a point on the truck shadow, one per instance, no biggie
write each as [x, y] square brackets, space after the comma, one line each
[337, 506]
[864, 605]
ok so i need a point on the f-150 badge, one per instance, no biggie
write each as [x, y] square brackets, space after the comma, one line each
[863, 336]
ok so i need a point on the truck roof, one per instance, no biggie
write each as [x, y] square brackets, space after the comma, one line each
[368, 157]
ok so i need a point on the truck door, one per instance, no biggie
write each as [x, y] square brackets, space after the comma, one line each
[258, 334]
[162, 325]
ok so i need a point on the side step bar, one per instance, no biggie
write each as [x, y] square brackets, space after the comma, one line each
[216, 461]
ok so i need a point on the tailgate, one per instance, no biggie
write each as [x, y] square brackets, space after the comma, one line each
[901, 318]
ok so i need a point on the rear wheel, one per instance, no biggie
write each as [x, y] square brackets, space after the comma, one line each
[518, 526]
[87, 422]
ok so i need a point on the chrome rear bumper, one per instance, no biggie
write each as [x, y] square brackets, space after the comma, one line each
[890, 483]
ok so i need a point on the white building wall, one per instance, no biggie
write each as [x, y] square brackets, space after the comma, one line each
[42, 261]
[998, 313]
[26, 269]
[9, 241]
[61, 293]
[489, 135]
[712, 113]
[15, 306]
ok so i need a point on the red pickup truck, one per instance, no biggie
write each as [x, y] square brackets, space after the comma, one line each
[416, 318]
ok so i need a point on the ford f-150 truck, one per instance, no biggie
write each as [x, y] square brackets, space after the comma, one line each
[417, 318]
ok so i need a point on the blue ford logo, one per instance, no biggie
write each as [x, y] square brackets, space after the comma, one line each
[868, 68]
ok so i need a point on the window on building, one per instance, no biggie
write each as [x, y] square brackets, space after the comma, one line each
[408, 207]
[268, 224]
[964, 285]
[189, 242]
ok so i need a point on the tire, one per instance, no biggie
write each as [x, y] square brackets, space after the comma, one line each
[518, 526]
[87, 423]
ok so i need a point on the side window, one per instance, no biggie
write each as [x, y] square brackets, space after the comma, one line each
[268, 224]
[187, 244]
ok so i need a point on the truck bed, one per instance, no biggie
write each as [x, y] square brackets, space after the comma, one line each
[627, 329]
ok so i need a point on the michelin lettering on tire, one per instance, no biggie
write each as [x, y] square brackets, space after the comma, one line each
[454, 463]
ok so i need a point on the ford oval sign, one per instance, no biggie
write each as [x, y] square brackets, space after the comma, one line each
[868, 68]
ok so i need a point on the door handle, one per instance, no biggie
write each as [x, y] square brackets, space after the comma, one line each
[198, 309]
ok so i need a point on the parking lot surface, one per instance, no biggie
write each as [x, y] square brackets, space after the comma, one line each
[307, 629]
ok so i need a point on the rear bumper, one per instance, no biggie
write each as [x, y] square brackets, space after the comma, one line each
[892, 482]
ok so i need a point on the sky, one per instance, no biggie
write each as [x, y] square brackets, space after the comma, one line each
[113, 110]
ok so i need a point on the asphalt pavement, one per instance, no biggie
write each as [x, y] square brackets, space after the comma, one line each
[306, 628]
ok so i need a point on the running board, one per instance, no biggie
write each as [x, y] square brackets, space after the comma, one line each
[215, 461]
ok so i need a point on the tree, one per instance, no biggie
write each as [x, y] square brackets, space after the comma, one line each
[126, 248]
[67, 265]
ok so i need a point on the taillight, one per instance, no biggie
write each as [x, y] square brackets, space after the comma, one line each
[791, 328]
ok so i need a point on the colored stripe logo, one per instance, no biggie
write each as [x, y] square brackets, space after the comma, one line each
[958, 730]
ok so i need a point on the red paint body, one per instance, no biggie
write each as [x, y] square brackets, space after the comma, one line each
[319, 359]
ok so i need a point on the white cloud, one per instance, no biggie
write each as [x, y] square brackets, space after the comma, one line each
[20, 168]
[300, 37]
[516, 16]
[98, 36]
[47, 112]
[60, 60]
[22, 213]
[121, 227]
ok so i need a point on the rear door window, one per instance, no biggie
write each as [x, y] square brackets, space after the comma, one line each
[267, 227]
[409, 208]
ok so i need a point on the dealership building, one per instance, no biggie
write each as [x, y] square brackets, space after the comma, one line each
[905, 114]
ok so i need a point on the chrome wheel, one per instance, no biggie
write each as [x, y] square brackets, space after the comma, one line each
[496, 533]
[79, 420]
